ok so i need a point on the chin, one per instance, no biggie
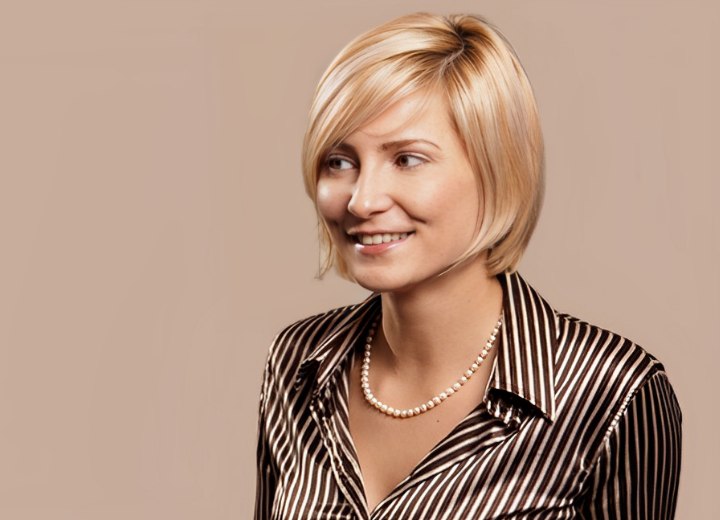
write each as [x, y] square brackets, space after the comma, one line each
[382, 282]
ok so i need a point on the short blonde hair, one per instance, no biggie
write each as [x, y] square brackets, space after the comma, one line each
[491, 105]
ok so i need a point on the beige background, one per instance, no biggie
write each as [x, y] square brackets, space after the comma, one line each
[154, 233]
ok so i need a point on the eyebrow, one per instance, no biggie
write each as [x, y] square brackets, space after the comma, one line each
[390, 145]
[404, 142]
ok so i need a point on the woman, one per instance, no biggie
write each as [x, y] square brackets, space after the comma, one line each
[455, 390]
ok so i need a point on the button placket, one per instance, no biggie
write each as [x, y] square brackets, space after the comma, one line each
[322, 413]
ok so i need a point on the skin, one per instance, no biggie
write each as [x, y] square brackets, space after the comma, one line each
[407, 170]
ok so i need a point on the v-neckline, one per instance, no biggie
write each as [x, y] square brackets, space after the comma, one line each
[347, 371]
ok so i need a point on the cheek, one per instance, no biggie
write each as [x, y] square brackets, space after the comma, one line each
[331, 201]
[452, 199]
[457, 205]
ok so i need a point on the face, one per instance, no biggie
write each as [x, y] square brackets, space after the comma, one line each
[399, 196]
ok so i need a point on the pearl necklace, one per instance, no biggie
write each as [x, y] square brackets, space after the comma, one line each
[434, 401]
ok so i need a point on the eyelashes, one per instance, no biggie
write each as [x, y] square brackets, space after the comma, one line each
[408, 161]
[332, 162]
[403, 161]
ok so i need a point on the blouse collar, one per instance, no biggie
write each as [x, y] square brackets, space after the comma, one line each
[524, 363]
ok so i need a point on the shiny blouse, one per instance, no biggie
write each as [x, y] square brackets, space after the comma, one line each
[576, 422]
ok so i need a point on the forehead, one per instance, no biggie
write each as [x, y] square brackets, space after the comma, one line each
[421, 114]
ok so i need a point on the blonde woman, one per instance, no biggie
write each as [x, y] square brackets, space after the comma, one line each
[455, 390]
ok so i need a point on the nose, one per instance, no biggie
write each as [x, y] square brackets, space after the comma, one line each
[370, 193]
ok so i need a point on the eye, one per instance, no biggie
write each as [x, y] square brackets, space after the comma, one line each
[408, 161]
[337, 162]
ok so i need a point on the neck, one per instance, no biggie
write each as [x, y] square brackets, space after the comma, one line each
[431, 329]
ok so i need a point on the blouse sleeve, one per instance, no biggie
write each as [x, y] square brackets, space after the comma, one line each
[636, 476]
[266, 471]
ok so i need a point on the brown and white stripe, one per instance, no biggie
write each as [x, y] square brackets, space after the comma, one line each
[578, 422]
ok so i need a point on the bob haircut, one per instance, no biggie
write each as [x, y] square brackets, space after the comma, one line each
[492, 108]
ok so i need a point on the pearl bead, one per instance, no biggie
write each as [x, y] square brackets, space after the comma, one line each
[430, 404]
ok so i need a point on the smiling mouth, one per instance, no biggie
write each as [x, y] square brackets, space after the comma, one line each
[379, 238]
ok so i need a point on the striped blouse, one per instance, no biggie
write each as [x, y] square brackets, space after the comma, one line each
[577, 422]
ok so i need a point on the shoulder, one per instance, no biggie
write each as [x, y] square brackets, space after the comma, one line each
[606, 351]
[605, 364]
[298, 341]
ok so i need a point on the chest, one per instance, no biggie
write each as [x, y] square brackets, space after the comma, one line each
[447, 463]
[390, 449]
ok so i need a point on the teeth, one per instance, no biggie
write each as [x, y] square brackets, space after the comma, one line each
[380, 238]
